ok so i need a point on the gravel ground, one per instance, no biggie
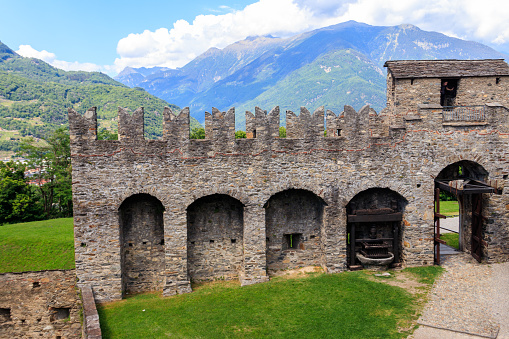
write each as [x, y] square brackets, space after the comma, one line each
[469, 300]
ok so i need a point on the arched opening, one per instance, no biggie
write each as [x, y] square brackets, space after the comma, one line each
[374, 219]
[466, 181]
[215, 229]
[294, 226]
[142, 243]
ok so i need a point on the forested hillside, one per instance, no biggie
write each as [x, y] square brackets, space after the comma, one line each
[34, 98]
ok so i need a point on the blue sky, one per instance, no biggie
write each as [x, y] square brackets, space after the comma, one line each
[110, 35]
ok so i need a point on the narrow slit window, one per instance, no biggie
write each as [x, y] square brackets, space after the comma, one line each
[292, 241]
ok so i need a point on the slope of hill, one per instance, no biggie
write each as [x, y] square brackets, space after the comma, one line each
[34, 98]
[265, 70]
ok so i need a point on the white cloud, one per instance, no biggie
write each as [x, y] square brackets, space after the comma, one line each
[467, 19]
[29, 52]
[483, 21]
[177, 46]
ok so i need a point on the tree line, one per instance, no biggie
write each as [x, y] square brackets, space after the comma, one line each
[39, 186]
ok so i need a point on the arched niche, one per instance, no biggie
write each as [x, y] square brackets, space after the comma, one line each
[215, 226]
[374, 218]
[294, 230]
[142, 243]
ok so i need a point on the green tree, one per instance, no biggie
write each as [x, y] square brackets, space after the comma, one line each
[240, 135]
[17, 200]
[197, 133]
[104, 134]
[282, 132]
[52, 165]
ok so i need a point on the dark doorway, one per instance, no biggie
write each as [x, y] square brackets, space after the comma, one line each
[448, 92]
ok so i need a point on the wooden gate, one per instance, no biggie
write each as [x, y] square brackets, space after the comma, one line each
[477, 242]
[438, 216]
[475, 189]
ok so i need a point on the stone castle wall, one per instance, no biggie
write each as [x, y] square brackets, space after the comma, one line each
[41, 304]
[260, 190]
[404, 95]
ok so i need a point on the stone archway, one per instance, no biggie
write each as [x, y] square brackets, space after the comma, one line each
[215, 234]
[374, 228]
[294, 230]
[467, 180]
[142, 243]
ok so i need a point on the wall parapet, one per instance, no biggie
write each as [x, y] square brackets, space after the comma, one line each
[350, 129]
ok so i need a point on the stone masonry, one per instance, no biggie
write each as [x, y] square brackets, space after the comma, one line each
[41, 304]
[226, 208]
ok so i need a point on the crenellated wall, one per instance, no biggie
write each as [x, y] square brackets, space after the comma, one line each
[241, 182]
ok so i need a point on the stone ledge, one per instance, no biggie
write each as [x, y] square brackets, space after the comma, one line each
[412, 117]
[494, 104]
[465, 123]
[91, 326]
[429, 106]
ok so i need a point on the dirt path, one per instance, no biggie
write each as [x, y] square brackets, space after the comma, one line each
[470, 300]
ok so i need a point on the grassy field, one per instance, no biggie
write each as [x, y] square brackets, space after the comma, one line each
[38, 245]
[452, 239]
[345, 305]
[449, 208]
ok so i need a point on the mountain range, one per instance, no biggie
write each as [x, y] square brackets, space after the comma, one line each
[332, 66]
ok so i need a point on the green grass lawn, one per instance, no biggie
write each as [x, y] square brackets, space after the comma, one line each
[452, 239]
[345, 305]
[38, 245]
[449, 208]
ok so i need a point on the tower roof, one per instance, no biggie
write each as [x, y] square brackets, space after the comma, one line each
[404, 69]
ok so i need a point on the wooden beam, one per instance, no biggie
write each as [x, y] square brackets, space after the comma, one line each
[375, 217]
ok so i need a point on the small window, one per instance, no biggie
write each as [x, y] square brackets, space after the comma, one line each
[5, 315]
[233, 241]
[292, 241]
[254, 134]
[36, 284]
[60, 313]
[411, 81]
[338, 132]
[497, 81]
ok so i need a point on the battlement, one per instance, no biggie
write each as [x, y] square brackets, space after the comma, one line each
[349, 125]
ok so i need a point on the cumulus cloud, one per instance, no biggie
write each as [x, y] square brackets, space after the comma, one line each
[29, 52]
[173, 47]
[467, 19]
[184, 41]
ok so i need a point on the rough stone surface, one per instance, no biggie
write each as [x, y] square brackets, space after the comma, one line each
[397, 151]
[215, 238]
[142, 233]
[41, 304]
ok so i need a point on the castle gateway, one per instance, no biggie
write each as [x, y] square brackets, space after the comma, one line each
[154, 215]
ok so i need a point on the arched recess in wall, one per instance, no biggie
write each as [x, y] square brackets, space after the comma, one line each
[142, 243]
[464, 181]
[294, 230]
[374, 228]
[215, 229]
